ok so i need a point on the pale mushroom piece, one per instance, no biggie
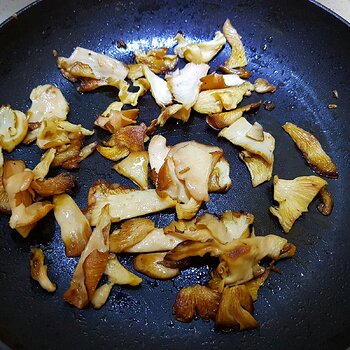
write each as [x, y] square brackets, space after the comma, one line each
[92, 69]
[13, 128]
[187, 211]
[220, 81]
[262, 86]
[221, 120]
[219, 179]
[150, 264]
[215, 101]
[39, 270]
[75, 228]
[42, 168]
[159, 88]
[135, 167]
[114, 118]
[194, 163]
[116, 274]
[236, 133]
[260, 170]
[47, 103]
[155, 241]
[237, 57]
[238, 224]
[129, 205]
[135, 71]
[202, 52]
[185, 83]
[157, 152]
[294, 197]
[128, 97]
[131, 232]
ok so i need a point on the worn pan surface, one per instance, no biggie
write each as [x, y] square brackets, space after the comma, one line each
[297, 46]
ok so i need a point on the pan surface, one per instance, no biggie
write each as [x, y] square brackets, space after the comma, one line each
[295, 45]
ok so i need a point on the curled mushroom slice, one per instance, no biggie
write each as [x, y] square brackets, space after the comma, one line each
[219, 81]
[42, 168]
[62, 183]
[235, 310]
[262, 86]
[326, 205]
[124, 203]
[116, 274]
[176, 111]
[237, 134]
[157, 60]
[155, 241]
[135, 167]
[242, 72]
[150, 265]
[214, 101]
[312, 151]
[199, 53]
[13, 128]
[294, 197]
[159, 88]
[91, 69]
[92, 264]
[260, 170]
[39, 270]
[53, 133]
[69, 156]
[75, 229]
[238, 57]
[47, 103]
[128, 139]
[131, 232]
[127, 97]
[135, 71]
[219, 179]
[256, 132]
[196, 299]
[157, 151]
[113, 118]
[185, 83]
[221, 120]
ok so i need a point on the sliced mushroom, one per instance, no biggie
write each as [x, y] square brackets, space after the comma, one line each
[237, 57]
[135, 167]
[312, 151]
[199, 53]
[13, 128]
[262, 86]
[39, 270]
[150, 265]
[294, 197]
[326, 205]
[75, 229]
[214, 101]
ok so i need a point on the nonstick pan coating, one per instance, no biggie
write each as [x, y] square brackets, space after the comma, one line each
[295, 45]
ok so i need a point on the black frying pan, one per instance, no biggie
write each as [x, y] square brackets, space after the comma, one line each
[297, 46]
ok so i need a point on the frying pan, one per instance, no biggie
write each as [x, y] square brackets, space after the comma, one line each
[295, 45]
